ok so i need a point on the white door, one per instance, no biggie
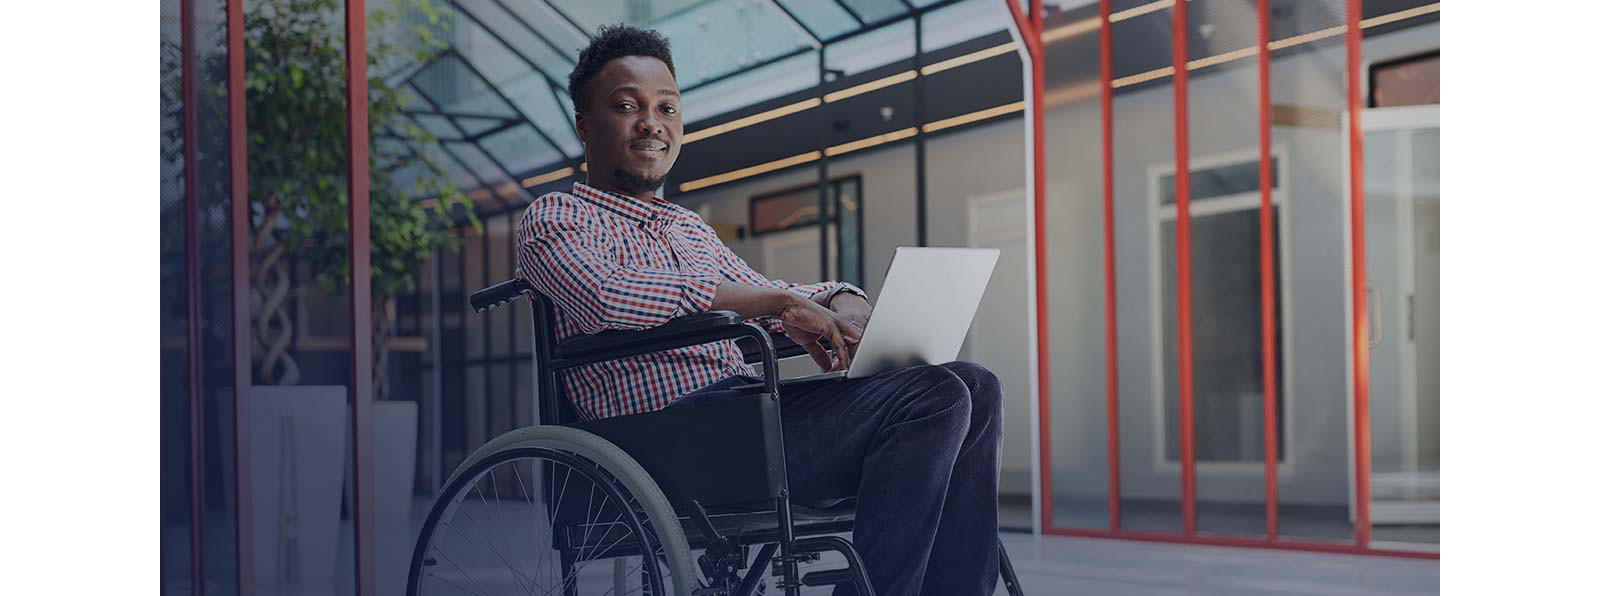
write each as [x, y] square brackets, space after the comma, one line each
[1402, 243]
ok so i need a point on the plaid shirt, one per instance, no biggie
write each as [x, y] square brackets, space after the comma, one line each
[609, 261]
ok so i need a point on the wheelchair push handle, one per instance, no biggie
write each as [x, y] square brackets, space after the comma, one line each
[499, 294]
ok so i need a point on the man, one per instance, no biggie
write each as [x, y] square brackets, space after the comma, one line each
[917, 446]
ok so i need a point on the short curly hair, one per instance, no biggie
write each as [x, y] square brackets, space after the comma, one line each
[609, 43]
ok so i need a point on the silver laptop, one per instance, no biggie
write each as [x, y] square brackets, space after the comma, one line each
[923, 312]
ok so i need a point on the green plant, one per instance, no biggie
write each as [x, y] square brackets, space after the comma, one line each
[295, 110]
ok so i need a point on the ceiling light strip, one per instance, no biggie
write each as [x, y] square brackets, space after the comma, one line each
[870, 86]
[1399, 15]
[890, 137]
[1123, 15]
[964, 60]
[973, 116]
[1286, 42]
[732, 125]
[750, 171]
[1071, 29]
[533, 181]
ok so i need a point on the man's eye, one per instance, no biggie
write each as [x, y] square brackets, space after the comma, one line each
[625, 105]
[669, 109]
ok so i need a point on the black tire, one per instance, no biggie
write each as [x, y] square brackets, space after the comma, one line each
[493, 553]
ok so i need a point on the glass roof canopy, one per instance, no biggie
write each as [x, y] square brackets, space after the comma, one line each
[496, 97]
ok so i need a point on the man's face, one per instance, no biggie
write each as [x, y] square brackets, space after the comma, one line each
[632, 128]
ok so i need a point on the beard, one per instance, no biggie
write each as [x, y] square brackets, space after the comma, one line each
[634, 183]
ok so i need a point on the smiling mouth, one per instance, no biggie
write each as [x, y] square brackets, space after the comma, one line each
[648, 146]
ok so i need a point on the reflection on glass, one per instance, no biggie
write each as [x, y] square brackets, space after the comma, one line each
[1402, 217]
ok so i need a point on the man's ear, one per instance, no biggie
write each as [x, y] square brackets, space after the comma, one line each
[581, 121]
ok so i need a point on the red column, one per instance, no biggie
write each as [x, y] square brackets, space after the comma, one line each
[1180, 87]
[1358, 276]
[1269, 321]
[355, 35]
[1108, 188]
[239, 238]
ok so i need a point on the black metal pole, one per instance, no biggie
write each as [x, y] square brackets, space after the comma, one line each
[436, 425]
[918, 93]
[822, 161]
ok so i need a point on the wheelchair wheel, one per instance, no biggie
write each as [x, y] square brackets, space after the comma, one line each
[551, 510]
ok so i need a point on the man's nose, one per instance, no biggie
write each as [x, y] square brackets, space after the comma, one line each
[650, 126]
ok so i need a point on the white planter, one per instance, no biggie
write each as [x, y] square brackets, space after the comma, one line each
[394, 461]
[298, 437]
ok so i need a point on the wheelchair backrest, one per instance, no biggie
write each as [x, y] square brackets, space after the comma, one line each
[553, 405]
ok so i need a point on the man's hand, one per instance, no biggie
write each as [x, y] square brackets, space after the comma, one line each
[852, 307]
[806, 322]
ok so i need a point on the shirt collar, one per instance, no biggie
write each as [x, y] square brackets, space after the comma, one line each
[623, 206]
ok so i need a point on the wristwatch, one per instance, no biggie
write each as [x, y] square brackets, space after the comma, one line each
[827, 299]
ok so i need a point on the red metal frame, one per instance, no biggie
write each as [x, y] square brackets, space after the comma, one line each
[1180, 111]
[1358, 266]
[1108, 187]
[239, 239]
[1269, 321]
[1030, 29]
[191, 258]
[355, 48]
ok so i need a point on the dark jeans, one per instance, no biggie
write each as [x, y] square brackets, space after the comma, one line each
[919, 448]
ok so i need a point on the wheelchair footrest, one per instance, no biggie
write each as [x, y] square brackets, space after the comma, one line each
[828, 578]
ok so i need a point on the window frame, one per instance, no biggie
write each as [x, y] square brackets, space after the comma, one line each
[1159, 214]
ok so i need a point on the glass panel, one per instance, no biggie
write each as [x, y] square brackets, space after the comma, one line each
[1143, 137]
[451, 86]
[473, 261]
[520, 150]
[716, 38]
[438, 126]
[535, 98]
[1308, 99]
[489, 172]
[876, 48]
[825, 19]
[1402, 209]
[213, 225]
[176, 557]
[847, 208]
[475, 125]
[967, 20]
[1225, 248]
[873, 11]
[498, 321]
[750, 87]
[512, 27]
[1075, 279]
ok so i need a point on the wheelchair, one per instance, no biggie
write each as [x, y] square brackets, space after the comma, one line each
[533, 510]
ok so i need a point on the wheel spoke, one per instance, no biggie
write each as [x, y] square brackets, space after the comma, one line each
[519, 554]
[496, 551]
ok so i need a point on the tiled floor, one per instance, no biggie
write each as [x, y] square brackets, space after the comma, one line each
[1054, 565]
[1058, 565]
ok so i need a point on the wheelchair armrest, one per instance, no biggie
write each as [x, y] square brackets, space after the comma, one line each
[683, 331]
[785, 348]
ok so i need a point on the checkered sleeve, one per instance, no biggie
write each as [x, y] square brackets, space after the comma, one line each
[734, 268]
[563, 253]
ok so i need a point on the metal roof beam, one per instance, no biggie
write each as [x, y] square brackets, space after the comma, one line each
[811, 36]
[502, 41]
[497, 93]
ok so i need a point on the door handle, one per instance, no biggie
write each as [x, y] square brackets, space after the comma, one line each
[1374, 317]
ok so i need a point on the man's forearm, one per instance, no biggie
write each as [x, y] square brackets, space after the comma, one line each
[751, 301]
